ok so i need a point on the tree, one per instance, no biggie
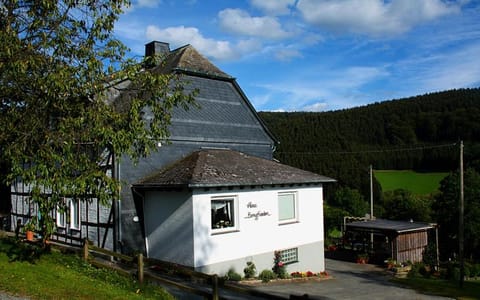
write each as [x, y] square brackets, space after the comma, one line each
[351, 201]
[58, 59]
[446, 208]
[403, 205]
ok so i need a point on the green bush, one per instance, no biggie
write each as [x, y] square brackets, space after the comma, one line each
[250, 270]
[279, 267]
[475, 270]
[455, 273]
[419, 269]
[467, 267]
[266, 275]
[232, 275]
[415, 270]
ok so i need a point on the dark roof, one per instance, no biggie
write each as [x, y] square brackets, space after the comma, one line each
[388, 225]
[224, 113]
[227, 168]
[188, 59]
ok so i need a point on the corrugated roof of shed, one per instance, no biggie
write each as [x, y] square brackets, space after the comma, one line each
[389, 225]
[226, 168]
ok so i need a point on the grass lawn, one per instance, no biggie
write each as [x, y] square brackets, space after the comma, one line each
[64, 276]
[446, 288]
[417, 183]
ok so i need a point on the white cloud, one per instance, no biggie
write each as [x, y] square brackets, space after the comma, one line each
[287, 54]
[273, 7]
[141, 4]
[454, 69]
[216, 49]
[315, 107]
[339, 89]
[240, 22]
[147, 3]
[373, 17]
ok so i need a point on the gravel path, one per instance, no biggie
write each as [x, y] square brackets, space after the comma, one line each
[6, 296]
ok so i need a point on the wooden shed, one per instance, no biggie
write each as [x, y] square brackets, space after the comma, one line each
[404, 240]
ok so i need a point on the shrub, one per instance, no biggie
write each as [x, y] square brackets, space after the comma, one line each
[250, 270]
[467, 269]
[266, 275]
[415, 270]
[419, 269]
[279, 267]
[475, 270]
[232, 275]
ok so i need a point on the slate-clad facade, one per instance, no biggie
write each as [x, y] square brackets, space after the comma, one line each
[224, 118]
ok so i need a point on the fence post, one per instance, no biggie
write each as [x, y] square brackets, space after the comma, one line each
[215, 287]
[140, 268]
[85, 249]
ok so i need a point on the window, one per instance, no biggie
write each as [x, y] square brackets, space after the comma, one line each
[61, 217]
[74, 214]
[223, 214]
[69, 214]
[287, 208]
[289, 255]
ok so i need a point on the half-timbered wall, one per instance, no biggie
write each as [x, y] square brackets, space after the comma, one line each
[96, 221]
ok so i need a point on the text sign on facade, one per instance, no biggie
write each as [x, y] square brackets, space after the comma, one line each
[255, 213]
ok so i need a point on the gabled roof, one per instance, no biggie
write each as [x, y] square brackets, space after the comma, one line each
[188, 59]
[227, 168]
[382, 225]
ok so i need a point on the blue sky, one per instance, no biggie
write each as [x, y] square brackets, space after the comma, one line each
[320, 55]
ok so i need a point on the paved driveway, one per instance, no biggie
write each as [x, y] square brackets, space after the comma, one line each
[349, 281]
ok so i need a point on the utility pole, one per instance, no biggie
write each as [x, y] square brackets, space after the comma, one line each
[371, 192]
[460, 220]
[371, 204]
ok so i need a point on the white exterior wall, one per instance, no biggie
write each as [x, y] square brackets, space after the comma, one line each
[262, 236]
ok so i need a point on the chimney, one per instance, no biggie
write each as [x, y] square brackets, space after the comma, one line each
[157, 48]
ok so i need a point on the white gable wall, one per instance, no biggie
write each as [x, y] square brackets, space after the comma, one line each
[257, 239]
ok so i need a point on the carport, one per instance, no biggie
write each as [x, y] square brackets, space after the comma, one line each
[400, 240]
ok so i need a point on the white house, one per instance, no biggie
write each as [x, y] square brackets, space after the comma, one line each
[218, 209]
[189, 203]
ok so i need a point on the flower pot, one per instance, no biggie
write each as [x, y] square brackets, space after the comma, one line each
[362, 260]
[29, 235]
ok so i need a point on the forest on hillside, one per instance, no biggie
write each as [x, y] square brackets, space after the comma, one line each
[419, 133]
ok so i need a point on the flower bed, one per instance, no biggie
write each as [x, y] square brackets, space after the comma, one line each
[293, 277]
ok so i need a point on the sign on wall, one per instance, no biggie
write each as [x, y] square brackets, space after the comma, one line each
[255, 213]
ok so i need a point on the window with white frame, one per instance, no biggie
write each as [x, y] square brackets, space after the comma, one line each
[68, 213]
[287, 207]
[61, 218]
[224, 214]
[75, 214]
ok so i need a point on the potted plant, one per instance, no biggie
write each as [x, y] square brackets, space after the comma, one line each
[362, 258]
[30, 228]
[391, 263]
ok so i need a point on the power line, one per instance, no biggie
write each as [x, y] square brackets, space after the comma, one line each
[416, 148]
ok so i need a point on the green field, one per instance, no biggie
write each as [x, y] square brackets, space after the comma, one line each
[417, 183]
